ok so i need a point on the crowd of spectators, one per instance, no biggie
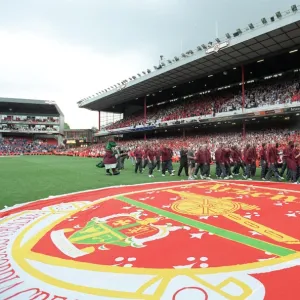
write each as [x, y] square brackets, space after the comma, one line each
[12, 146]
[275, 92]
[281, 137]
[20, 146]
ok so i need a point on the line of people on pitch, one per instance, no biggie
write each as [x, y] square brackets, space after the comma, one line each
[291, 162]
[230, 160]
[154, 158]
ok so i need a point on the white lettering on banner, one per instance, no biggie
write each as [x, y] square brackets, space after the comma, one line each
[11, 285]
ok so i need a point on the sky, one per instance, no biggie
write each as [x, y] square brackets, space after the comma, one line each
[65, 50]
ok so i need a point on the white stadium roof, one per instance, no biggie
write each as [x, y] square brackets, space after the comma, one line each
[268, 37]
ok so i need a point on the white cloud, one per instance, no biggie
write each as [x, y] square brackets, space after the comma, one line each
[40, 67]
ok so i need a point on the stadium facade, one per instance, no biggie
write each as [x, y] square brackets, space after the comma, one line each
[36, 119]
[262, 51]
[78, 137]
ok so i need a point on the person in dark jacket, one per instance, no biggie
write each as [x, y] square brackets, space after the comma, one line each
[263, 161]
[158, 157]
[291, 161]
[272, 160]
[220, 162]
[284, 161]
[183, 162]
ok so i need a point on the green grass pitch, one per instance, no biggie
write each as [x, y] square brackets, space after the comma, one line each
[29, 178]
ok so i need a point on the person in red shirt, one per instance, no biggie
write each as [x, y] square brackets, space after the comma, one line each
[272, 160]
[131, 155]
[145, 157]
[220, 161]
[227, 163]
[237, 160]
[138, 156]
[207, 161]
[263, 161]
[253, 154]
[166, 159]
[151, 161]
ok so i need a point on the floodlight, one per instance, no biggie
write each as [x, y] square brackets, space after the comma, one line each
[183, 55]
[134, 77]
[155, 67]
[251, 26]
[235, 34]
[294, 8]
[272, 19]
[199, 48]
[163, 64]
[148, 71]
[239, 31]
[176, 58]
[218, 40]
[204, 46]
[144, 72]
[264, 21]
[210, 44]
[169, 61]
[228, 35]
[139, 74]
[278, 15]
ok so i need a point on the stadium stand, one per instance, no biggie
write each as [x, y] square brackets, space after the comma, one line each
[240, 91]
[251, 72]
[29, 126]
[259, 95]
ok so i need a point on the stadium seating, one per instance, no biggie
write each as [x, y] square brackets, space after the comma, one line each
[277, 91]
[176, 143]
[23, 146]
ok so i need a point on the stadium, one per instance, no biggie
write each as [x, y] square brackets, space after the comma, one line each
[192, 194]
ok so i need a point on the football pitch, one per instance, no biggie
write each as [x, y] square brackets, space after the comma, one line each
[29, 178]
[80, 245]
